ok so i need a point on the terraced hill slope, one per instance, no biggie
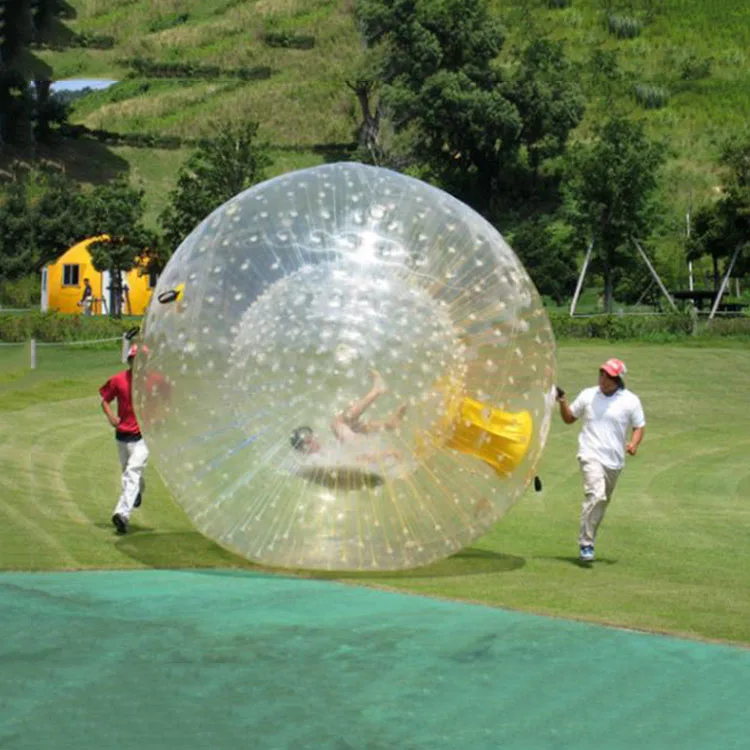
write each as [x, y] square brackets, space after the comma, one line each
[681, 65]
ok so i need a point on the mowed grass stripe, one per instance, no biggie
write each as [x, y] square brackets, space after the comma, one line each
[673, 553]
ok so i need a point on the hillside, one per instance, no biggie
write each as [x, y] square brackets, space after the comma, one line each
[690, 53]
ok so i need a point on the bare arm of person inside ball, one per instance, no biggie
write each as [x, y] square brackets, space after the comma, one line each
[348, 424]
[635, 441]
[565, 412]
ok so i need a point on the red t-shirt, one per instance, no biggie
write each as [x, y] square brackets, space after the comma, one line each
[120, 387]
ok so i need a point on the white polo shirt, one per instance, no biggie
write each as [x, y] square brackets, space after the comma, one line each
[606, 420]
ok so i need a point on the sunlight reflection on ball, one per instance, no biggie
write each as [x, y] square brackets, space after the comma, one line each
[315, 294]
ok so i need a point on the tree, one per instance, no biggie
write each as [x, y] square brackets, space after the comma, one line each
[116, 209]
[545, 249]
[719, 229]
[611, 191]
[26, 115]
[16, 103]
[220, 169]
[480, 132]
[18, 256]
[41, 215]
[60, 215]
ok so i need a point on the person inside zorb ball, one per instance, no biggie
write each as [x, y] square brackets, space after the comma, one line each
[360, 372]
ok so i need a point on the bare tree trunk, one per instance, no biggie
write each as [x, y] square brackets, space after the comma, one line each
[369, 129]
[608, 287]
[43, 88]
[115, 303]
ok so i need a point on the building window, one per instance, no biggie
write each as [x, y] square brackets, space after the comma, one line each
[70, 275]
[153, 277]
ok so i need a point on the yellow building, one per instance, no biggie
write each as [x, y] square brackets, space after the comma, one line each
[63, 284]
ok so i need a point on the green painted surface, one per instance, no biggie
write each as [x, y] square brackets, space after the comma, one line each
[210, 659]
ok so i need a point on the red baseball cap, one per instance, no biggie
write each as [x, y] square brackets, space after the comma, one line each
[615, 368]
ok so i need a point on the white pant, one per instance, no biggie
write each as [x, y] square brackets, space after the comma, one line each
[598, 485]
[133, 459]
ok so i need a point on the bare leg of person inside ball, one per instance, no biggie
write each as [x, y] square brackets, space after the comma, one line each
[348, 424]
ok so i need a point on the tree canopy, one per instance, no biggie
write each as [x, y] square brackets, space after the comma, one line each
[116, 209]
[719, 229]
[481, 130]
[611, 186]
[25, 116]
[450, 113]
[223, 166]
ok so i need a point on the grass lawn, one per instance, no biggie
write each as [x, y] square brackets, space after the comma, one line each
[672, 553]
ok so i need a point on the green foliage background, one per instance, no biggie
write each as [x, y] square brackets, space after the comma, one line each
[695, 51]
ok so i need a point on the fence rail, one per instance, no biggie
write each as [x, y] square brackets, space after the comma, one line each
[33, 344]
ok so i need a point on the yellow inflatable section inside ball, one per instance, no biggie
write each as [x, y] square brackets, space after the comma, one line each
[497, 437]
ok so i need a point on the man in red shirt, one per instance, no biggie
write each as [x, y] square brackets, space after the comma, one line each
[130, 444]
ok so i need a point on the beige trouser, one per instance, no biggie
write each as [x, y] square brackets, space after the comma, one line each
[598, 485]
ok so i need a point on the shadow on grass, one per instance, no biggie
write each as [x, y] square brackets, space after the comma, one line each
[573, 560]
[84, 160]
[190, 549]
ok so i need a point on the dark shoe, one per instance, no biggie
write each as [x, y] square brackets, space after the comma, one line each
[120, 523]
[586, 553]
[138, 499]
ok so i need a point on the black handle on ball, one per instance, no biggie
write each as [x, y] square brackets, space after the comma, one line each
[170, 296]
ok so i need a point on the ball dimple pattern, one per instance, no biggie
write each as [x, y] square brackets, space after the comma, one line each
[388, 318]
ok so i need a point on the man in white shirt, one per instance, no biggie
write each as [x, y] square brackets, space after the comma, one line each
[608, 412]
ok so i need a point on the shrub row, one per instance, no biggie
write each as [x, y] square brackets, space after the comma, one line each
[55, 327]
[168, 22]
[288, 40]
[730, 326]
[144, 68]
[84, 40]
[619, 327]
[151, 140]
[137, 140]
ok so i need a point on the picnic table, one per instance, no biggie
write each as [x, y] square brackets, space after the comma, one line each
[701, 296]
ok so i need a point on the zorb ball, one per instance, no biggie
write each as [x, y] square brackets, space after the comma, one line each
[354, 372]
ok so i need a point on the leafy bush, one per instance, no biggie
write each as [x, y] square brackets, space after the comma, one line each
[84, 40]
[92, 41]
[693, 68]
[729, 326]
[554, 4]
[623, 27]
[57, 327]
[145, 68]
[620, 327]
[168, 22]
[21, 293]
[288, 40]
[651, 97]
